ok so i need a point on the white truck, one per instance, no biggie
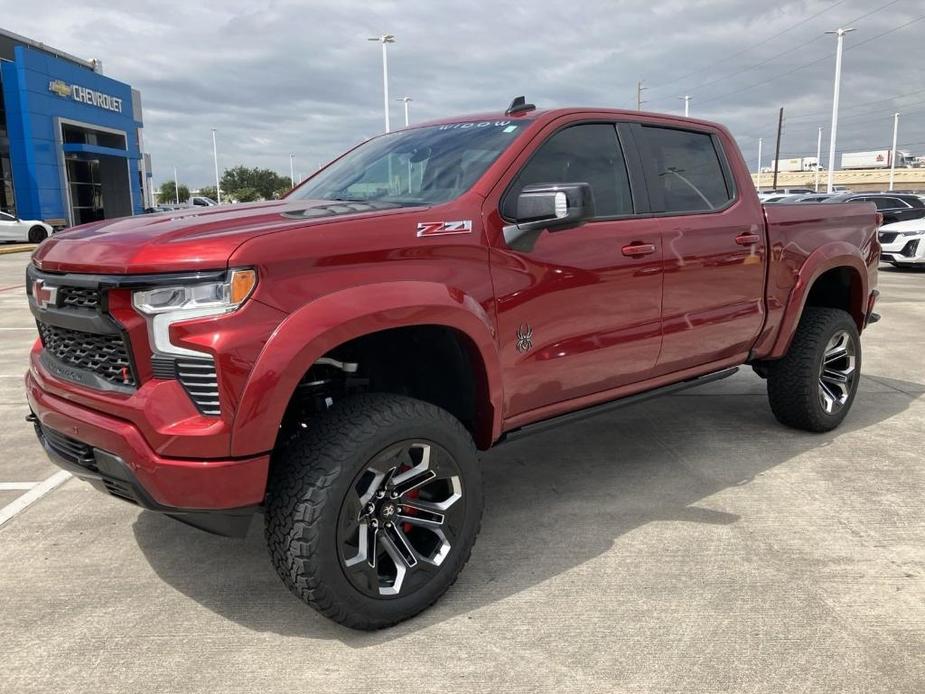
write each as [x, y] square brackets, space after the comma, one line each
[794, 164]
[876, 159]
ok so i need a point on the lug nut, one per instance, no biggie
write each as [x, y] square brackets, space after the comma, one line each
[393, 495]
[374, 523]
[380, 494]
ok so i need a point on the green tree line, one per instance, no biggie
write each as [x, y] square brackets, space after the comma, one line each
[239, 183]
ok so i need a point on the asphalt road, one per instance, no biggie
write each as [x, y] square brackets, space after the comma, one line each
[689, 544]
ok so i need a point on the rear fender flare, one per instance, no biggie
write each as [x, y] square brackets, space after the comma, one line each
[323, 324]
[820, 261]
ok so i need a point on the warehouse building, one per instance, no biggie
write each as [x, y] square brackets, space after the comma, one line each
[71, 147]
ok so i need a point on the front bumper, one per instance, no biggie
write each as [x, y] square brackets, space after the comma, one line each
[111, 453]
[904, 250]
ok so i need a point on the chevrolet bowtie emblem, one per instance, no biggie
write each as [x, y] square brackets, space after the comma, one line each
[60, 88]
[44, 295]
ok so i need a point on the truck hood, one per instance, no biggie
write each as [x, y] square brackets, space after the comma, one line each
[186, 240]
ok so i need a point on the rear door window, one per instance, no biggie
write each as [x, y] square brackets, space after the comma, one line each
[687, 173]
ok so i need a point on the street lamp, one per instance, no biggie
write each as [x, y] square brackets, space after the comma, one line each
[405, 100]
[893, 152]
[839, 48]
[385, 39]
[291, 171]
[176, 186]
[687, 105]
[218, 187]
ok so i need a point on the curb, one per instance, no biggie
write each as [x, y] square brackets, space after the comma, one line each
[6, 250]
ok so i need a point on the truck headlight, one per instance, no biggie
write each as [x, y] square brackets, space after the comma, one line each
[164, 306]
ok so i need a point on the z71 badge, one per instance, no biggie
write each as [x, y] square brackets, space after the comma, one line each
[462, 226]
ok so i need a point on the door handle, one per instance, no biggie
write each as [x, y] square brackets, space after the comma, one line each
[747, 239]
[639, 249]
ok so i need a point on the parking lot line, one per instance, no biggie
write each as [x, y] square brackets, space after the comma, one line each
[30, 497]
[16, 486]
[15, 286]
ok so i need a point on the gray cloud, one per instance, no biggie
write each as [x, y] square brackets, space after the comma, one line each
[279, 77]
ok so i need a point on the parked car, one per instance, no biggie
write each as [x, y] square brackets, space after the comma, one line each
[26, 230]
[334, 359]
[903, 243]
[895, 207]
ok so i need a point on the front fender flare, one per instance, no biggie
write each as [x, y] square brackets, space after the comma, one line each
[820, 261]
[323, 324]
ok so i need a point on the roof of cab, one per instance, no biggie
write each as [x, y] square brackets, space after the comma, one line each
[546, 115]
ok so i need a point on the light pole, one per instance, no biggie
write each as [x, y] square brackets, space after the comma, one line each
[218, 186]
[687, 105]
[176, 185]
[893, 153]
[839, 48]
[818, 157]
[758, 177]
[406, 100]
[385, 40]
[291, 171]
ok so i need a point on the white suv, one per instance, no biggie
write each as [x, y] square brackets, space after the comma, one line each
[903, 243]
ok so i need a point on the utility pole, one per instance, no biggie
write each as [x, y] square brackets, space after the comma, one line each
[385, 40]
[639, 90]
[687, 105]
[218, 186]
[839, 49]
[758, 177]
[818, 158]
[893, 154]
[780, 123]
[291, 171]
[176, 185]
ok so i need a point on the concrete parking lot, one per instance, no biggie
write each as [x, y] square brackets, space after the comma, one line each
[688, 544]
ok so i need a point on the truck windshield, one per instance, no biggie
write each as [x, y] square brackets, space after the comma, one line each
[421, 166]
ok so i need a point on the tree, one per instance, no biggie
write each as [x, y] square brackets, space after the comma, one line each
[245, 194]
[264, 182]
[167, 194]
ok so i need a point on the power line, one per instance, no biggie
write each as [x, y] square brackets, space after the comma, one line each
[819, 114]
[813, 62]
[754, 45]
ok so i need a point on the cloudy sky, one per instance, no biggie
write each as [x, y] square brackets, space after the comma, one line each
[279, 77]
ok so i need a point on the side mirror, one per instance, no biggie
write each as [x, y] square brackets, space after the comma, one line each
[548, 206]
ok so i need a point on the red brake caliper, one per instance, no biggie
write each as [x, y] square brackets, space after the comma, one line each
[413, 494]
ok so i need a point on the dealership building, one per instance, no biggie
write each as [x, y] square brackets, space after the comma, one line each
[71, 147]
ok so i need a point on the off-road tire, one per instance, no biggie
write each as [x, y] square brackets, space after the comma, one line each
[37, 234]
[311, 474]
[793, 381]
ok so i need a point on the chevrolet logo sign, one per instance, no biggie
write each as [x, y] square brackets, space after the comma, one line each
[60, 88]
[44, 294]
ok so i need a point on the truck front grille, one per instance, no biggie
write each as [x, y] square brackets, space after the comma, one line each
[78, 297]
[105, 355]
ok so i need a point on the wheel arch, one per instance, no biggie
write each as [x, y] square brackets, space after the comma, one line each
[833, 276]
[336, 319]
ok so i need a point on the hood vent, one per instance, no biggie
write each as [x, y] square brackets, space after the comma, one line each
[335, 209]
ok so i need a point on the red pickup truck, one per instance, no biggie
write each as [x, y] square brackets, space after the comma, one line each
[335, 359]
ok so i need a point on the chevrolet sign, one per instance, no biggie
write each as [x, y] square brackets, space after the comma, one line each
[86, 96]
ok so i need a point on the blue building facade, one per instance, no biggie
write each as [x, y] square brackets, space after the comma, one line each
[70, 138]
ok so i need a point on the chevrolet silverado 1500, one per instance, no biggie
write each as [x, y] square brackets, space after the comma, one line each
[335, 359]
